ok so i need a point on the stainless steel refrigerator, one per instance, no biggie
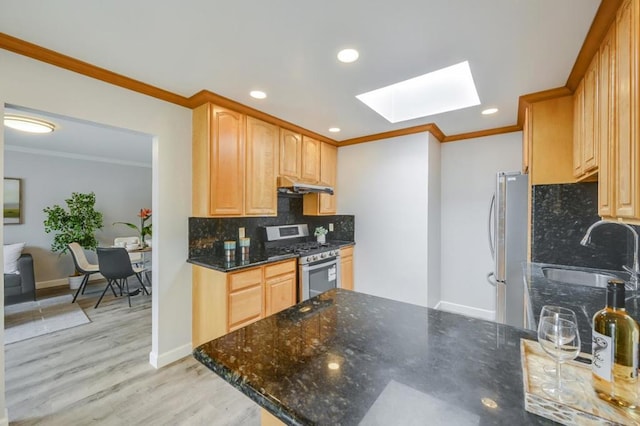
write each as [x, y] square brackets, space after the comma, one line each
[508, 244]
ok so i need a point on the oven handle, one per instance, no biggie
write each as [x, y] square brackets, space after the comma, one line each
[320, 264]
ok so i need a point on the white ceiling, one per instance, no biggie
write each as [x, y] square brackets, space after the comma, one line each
[287, 48]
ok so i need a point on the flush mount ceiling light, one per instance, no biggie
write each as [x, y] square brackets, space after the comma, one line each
[489, 111]
[28, 124]
[258, 94]
[348, 55]
[443, 90]
[334, 129]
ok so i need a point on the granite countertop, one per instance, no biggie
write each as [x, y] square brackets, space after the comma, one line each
[345, 357]
[218, 262]
[584, 300]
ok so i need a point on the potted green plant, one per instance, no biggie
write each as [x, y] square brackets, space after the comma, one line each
[77, 223]
[144, 230]
[321, 234]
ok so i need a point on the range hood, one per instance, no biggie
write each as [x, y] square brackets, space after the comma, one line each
[288, 186]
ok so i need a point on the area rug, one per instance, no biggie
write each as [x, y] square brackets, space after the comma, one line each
[30, 319]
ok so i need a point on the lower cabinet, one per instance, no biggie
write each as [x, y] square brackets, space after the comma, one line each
[346, 267]
[223, 302]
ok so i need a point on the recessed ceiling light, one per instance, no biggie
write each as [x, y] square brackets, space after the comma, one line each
[334, 129]
[258, 94]
[489, 111]
[333, 366]
[443, 90]
[348, 55]
[28, 124]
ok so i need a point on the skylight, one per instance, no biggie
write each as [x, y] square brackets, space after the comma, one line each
[443, 90]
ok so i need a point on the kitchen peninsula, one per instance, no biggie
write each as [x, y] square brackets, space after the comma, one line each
[349, 358]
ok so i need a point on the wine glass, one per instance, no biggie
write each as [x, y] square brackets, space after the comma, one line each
[557, 312]
[559, 337]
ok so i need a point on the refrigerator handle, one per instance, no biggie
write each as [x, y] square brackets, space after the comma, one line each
[491, 279]
[490, 227]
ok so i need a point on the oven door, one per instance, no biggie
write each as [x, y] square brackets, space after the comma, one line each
[318, 277]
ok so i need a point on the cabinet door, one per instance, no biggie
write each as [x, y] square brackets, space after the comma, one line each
[310, 171]
[290, 153]
[227, 159]
[590, 104]
[245, 307]
[328, 171]
[280, 293]
[578, 129]
[261, 168]
[244, 304]
[346, 268]
[526, 140]
[625, 172]
[606, 122]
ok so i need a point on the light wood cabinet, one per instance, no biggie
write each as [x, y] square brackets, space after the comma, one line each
[261, 197]
[625, 174]
[324, 204]
[218, 161]
[346, 268]
[606, 125]
[585, 125]
[280, 287]
[310, 161]
[235, 160]
[550, 141]
[290, 154]
[223, 302]
[526, 140]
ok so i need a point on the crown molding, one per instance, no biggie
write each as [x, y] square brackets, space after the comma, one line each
[603, 19]
[73, 156]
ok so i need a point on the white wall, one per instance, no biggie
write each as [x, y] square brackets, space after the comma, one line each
[37, 85]
[468, 176]
[384, 184]
[121, 191]
[434, 234]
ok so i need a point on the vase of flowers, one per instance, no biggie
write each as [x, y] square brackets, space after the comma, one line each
[321, 234]
[144, 230]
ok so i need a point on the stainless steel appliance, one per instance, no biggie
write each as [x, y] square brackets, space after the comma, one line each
[508, 244]
[318, 264]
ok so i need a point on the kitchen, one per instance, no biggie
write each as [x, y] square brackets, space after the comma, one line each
[175, 174]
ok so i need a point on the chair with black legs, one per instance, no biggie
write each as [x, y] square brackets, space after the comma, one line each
[82, 266]
[115, 266]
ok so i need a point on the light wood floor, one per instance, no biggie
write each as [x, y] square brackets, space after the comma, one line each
[99, 373]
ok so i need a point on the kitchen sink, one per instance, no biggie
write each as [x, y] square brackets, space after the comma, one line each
[576, 276]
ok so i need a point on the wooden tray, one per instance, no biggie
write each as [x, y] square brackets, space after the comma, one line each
[588, 410]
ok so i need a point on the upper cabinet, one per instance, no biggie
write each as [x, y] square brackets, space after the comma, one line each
[324, 204]
[290, 154]
[619, 134]
[261, 198]
[234, 164]
[606, 125]
[585, 124]
[310, 171]
[547, 141]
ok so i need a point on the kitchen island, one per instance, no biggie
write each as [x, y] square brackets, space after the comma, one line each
[348, 358]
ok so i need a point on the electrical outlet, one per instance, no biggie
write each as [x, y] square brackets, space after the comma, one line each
[240, 232]
[331, 227]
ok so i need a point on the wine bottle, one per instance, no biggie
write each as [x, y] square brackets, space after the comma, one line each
[615, 350]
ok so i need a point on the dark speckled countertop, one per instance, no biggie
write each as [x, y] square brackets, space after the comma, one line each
[346, 358]
[584, 300]
[256, 258]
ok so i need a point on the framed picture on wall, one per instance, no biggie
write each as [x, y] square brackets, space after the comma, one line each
[12, 207]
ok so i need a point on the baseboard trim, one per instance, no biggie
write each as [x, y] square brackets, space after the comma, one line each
[466, 310]
[159, 361]
[63, 282]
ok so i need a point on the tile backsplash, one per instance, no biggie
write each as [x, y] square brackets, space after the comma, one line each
[206, 235]
[560, 217]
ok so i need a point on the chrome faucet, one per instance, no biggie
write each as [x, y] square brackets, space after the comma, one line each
[635, 269]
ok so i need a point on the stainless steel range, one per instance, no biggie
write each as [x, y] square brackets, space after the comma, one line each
[318, 264]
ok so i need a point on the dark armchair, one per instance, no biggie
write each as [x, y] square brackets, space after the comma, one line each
[20, 287]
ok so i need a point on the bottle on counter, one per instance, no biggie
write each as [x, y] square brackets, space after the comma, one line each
[616, 336]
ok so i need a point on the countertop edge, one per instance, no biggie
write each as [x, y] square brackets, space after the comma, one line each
[263, 400]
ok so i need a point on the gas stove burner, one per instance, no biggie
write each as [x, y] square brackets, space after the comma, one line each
[294, 239]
